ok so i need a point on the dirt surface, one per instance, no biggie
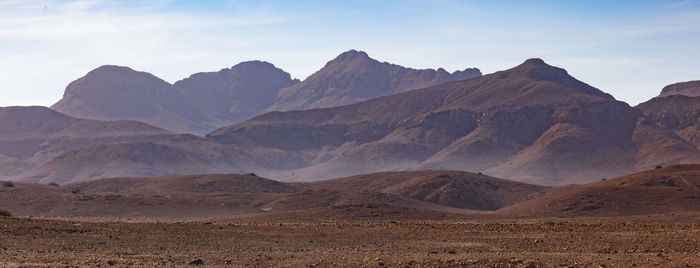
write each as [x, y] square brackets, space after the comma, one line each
[612, 242]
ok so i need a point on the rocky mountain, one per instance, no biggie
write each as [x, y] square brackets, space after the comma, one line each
[30, 136]
[354, 77]
[690, 88]
[237, 93]
[532, 123]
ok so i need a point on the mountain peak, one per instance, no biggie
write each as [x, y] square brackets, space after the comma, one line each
[108, 69]
[538, 69]
[351, 55]
[534, 62]
[253, 64]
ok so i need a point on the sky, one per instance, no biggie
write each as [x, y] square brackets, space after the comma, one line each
[630, 49]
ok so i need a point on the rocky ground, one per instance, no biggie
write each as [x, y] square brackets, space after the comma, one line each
[603, 242]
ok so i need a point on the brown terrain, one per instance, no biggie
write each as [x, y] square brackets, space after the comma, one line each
[532, 123]
[368, 220]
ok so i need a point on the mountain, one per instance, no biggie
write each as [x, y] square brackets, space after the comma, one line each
[690, 88]
[532, 123]
[115, 93]
[237, 93]
[673, 189]
[209, 100]
[30, 136]
[354, 77]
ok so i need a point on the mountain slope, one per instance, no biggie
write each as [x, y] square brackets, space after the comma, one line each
[33, 135]
[237, 93]
[354, 77]
[673, 189]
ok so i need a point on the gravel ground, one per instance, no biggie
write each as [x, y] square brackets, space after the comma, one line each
[610, 242]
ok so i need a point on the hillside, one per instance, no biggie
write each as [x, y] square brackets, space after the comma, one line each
[674, 189]
[448, 188]
[354, 77]
[222, 195]
[30, 136]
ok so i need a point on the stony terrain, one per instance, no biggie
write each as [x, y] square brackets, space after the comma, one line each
[610, 242]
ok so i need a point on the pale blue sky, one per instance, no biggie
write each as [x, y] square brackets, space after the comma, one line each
[630, 49]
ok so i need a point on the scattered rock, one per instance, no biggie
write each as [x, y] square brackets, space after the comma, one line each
[197, 262]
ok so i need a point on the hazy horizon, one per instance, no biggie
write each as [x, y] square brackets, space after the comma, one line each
[630, 49]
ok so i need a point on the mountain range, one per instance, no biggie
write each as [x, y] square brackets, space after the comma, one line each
[209, 100]
[532, 123]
